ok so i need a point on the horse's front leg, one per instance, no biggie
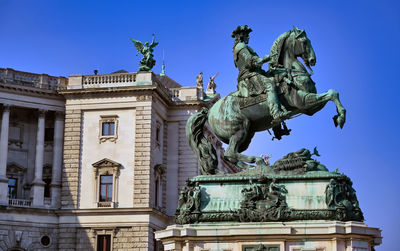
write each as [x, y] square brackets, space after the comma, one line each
[340, 117]
[313, 103]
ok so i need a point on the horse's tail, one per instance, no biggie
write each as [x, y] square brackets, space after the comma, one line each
[204, 150]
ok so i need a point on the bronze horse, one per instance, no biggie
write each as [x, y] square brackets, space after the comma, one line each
[235, 124]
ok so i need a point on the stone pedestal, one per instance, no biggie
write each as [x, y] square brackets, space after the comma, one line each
[271, 236]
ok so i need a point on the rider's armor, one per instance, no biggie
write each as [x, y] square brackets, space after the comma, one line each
[253, 80]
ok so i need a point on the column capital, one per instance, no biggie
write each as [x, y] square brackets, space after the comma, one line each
[6, 107]
[42, 112]
[60, 115]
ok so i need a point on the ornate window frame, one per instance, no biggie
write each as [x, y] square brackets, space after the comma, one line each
[16, 171]
[104, 231]
[105, 167]
[108, 119]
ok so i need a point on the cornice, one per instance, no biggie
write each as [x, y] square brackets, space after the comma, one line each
[154, 90]
[29, 90]
[111, 211]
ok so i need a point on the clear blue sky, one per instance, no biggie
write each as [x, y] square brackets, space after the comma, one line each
[356, 44]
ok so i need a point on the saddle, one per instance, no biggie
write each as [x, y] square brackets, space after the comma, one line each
[251, 100]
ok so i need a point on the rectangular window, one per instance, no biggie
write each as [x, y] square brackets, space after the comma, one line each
[47, 187]
[108, 128]
[158, 134]
[106, 186]
[49, 135]
[12, 188]
[104, 242]
[157, 191]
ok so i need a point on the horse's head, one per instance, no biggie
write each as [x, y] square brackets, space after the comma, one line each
[302, 46]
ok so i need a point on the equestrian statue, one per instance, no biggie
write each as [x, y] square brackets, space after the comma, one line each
[263, 101]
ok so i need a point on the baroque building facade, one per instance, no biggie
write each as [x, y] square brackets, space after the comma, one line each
[92, 162]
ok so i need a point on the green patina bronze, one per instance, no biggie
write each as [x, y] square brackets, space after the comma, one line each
[146, 49]
[297, 186]
[263, 101]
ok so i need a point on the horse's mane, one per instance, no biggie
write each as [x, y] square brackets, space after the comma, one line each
[277, 47]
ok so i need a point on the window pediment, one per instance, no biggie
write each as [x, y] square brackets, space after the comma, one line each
[101, 168]
[14, 168]
[106, 166]
[106, 163]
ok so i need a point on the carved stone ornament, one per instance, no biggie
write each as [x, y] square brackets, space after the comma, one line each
[188, 203]
[106, 165]
[144, 98]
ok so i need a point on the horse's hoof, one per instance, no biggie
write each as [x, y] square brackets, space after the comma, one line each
[335, 120]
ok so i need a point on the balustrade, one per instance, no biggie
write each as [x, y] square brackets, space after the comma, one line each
[109, 79]
[105, 204]
[19, 202]
[42, 81]
[47, 201]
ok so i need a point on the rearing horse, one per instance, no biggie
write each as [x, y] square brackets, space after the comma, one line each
[235, 123]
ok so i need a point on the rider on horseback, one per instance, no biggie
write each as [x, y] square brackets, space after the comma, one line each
[252, 79]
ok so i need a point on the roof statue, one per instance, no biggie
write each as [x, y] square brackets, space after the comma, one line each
[199, 80]
[146, 49]
[264, 100]
[211, 85]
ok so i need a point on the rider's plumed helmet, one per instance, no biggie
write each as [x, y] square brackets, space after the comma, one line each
[241, 30]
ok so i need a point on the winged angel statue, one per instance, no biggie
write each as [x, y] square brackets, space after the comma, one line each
[146, 49]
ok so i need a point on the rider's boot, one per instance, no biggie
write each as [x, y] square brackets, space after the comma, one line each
[277, 110]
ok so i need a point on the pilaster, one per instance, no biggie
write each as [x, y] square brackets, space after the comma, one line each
[70, 169]
[141, 197]
[5, 123]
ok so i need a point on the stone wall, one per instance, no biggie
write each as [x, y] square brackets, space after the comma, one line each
[70, 171]
[67, 239]
[188, 167]
[138, 238]
[165, 163]
[85, 239]
[30, 236]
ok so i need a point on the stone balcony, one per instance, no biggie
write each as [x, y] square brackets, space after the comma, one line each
[13, 202]
[19, 202]
[26, 79]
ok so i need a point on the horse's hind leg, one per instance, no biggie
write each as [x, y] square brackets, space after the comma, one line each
[241, 136]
